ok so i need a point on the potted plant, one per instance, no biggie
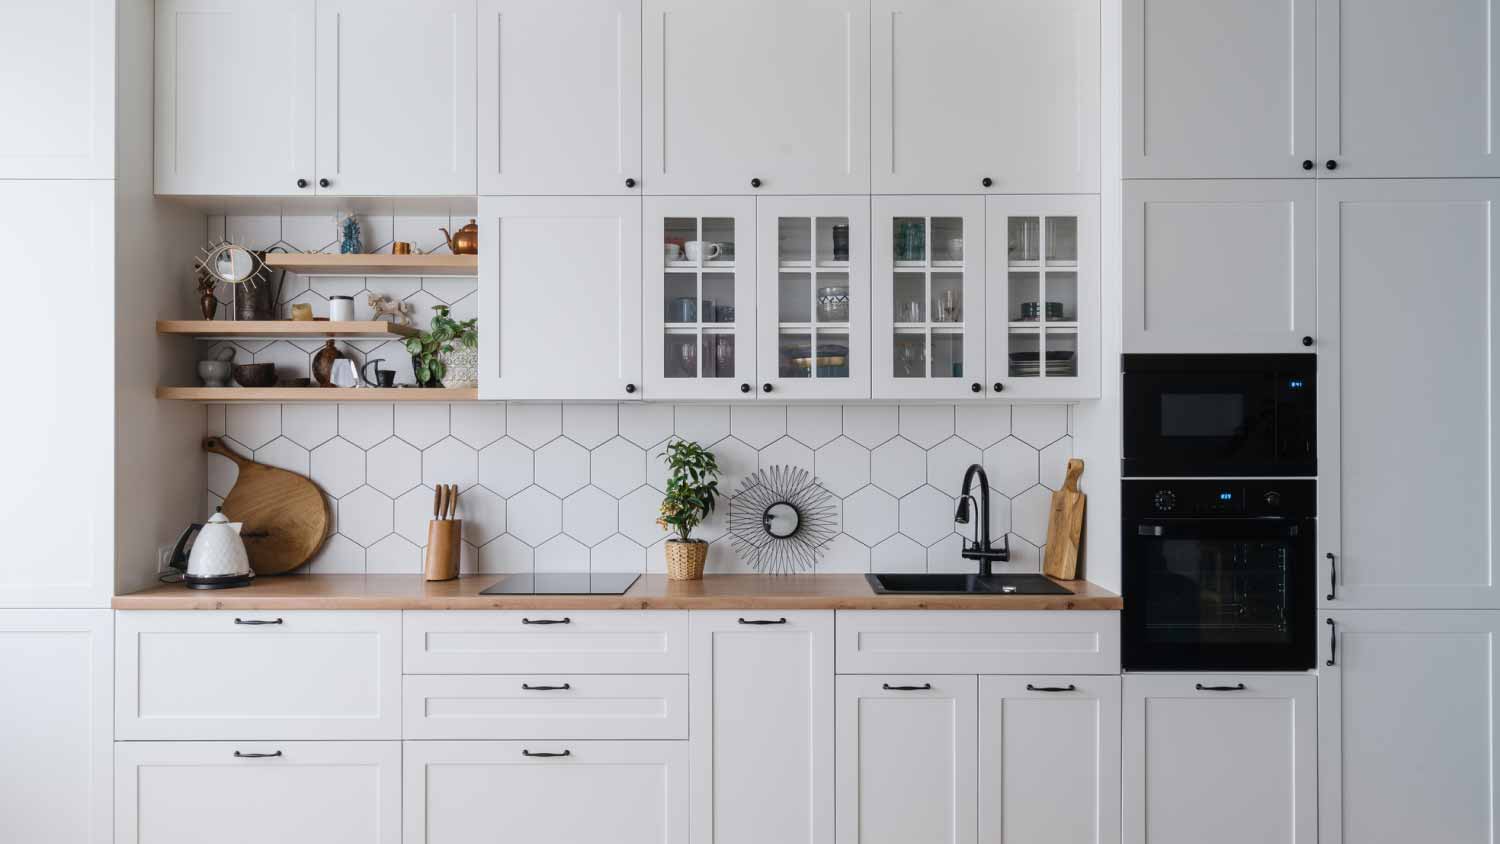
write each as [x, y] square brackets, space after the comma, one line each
[692, 486]
[444, 337]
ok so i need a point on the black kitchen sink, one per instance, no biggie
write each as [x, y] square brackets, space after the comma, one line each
[964, 584]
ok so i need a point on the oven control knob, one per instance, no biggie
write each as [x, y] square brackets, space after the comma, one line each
[1165, 500]
[1272, 499]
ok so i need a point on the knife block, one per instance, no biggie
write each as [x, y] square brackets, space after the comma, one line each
[444, 541]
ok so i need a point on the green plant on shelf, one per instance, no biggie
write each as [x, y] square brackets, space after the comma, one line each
[443, 336]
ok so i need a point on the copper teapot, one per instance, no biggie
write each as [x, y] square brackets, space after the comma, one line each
[465, 241]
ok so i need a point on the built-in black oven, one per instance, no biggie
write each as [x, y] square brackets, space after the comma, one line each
[1218, 575]
[1220, 415]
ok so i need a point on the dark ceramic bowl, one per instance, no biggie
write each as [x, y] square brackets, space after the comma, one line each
[255, 375]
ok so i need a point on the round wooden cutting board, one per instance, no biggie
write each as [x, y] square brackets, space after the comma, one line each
[285, 516]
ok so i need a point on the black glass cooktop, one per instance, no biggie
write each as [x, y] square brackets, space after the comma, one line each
[562, 584]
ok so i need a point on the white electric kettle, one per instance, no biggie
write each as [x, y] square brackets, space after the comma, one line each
[212, 555]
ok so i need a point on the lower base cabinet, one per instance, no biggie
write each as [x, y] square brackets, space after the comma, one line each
[570, 792]
[295, 792]
[1230, 759]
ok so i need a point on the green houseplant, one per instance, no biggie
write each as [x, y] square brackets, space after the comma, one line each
[692, 487]
[443, 336]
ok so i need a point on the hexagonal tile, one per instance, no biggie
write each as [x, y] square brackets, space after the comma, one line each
[638, 512]
[283, 454]
[483, 513]
[1011, 465]
[468, 558]
[252, 425]
[562, 466]
[506, 466]
[1029, 512]
[562, 553]
[506, 555]
[946, 555]
[450, 462]
[393, 467]
[702, 423]
[982, 424]
[339, 555]
[617, 467]
[1054, 462]
[1024, 556]
[869, 425]
[421, 424]
[645, 424]
[533, 425]
[814, 425]
[590, 516]
[366, 424]
[927, 515]
[310, 425]
[721, 559]
[898, 467]
[757, 425]
[926, 425]
[870, 515]
[413, 512]
[898, 554]
[449, 290]
[843, 554]
[656, 464]
[534, 515]
[477, 424]
[999, 519]
[393, 555]
[1039, 424]
[590, 425]
[717, 523]
[617, 553]
[290, 361]
[337, 467]
[736, 460]
[221, 474]
[843, 466]
[948, 461]
[787, 452]
[365, 515]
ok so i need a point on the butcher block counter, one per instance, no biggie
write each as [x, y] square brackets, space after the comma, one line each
[651, 591]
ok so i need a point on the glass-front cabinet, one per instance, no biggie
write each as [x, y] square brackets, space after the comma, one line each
[700, 297]
[814, 297]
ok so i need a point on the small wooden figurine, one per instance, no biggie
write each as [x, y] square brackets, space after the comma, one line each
[385, 306]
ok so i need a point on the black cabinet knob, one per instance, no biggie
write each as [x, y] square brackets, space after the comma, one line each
[1307, 341]
[755, 183]
[301, 183]
[766, 387]
[1331, 164]
[987, 181]
[629, 388]
[999, 388]
[975, 387]
[744, 388]
[1307, 164]
[630, 183]
[323, 183]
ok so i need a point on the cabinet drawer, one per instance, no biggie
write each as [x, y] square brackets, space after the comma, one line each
[547, 706]
[257, 675]
[546, 642]
[303, 792]
[970, 642]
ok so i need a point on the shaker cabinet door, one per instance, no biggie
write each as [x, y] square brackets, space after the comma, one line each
[57, 71]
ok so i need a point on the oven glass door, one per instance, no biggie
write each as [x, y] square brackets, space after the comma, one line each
[1200, 423]
[1218, 594]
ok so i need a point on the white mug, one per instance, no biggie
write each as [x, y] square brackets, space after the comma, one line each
[702, 250]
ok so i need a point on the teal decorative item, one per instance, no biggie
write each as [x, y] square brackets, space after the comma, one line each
[351, 245]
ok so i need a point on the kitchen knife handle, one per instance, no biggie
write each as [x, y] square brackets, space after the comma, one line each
[252, 622]
[437, 501]
[239, 755]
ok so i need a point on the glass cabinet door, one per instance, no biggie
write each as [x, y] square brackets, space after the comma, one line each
[1043, 296]
[929, 321]
[814, 297]
[700, 297]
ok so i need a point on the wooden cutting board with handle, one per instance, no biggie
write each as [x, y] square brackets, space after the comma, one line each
[1065, 526]
[285, 516]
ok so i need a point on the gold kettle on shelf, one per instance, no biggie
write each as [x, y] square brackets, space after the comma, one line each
[465, 241]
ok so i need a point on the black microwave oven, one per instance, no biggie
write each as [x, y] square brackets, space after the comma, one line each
[1219, 416]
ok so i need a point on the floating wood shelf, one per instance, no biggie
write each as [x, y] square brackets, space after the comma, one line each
[307, 263]
[277, 329]
[314, 394]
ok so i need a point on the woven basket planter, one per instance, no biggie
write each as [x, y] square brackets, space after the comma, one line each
[685, 559]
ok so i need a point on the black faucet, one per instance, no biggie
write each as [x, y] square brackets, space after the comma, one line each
[981, 548]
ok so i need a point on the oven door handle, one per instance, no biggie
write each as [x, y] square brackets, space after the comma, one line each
[1220, 528]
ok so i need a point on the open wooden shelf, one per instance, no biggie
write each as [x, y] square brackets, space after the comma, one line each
[277, 329]
[307, 263]
[315, 394]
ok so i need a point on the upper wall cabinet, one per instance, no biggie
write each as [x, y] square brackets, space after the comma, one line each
[745, 96]
[560, 97]
[976, 96]
[254, 57]
[57, 72]
[1222, 88]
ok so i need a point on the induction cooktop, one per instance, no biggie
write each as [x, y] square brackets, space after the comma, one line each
[562, 584]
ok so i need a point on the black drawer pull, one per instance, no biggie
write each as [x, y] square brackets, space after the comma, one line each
[925, 687]
[1068, 688]
[1237, 687]
[762, 621]
[564, 620]
[564, 687]
[252, 622]
[239, 755]
[546, 755]
[1333, 641]
[1333, 576]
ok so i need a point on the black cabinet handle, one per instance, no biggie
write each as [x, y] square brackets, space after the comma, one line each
[324, 183]
[1237, 687]
[564, 687]
[239, 755]
[755, 183]
[1333, 641]
[1307, 341]
[766, 387]
[1068, 688]
[1307, 164]
[976, 387]
[563, 620]
[987, 181]
[301, 183]
[1333, 577]
[546, 755]
[999, 388]
[255, 622]
[744, 388]
[630, 183]
[1331, 164]
[922, 688]
[629, 388]
[762, 621]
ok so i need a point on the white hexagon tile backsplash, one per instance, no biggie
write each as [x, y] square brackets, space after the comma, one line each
[550, 487]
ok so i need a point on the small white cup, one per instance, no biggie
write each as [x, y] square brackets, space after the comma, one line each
[702, 250]
[341, 308]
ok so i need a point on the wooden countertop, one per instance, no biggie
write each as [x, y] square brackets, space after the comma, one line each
[652, 591]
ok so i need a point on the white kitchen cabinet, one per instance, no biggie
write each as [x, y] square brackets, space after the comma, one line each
[623, 792]
[559, 97]
[1049, 759]
[763, 739]
[546, 706]
[1406, 408]
[56, 726]
[1226, 89]
[560, 288]
[250, 58]
[546, 642]
[907, 759]
[770, 96]
[968, 642]
[57, 71]
[300, 792]
[1219, 266]
[813, 313]
[1224, 758]
[928, 325]
[1042, 296]
[976, 96]
[699, 310]
[396, 97]
[1407, 726]
[60, 556]
[1427, 109]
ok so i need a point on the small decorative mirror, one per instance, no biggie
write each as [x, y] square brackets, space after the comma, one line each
[231, 263]
[781, 520]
